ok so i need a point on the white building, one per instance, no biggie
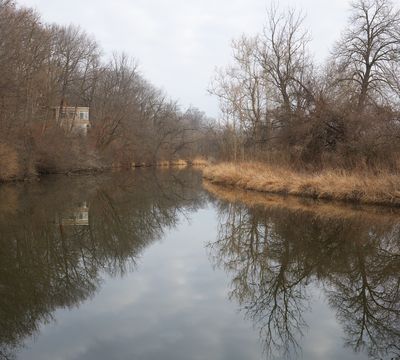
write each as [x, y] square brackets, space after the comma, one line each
[73, 118]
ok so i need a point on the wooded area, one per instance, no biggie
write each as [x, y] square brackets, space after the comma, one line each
[47, 66]
[279, 105]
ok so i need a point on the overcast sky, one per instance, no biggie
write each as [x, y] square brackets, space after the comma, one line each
[178, 43]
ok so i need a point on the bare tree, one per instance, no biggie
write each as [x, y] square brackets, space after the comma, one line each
[74, 57]
[369, 50]
[284, 57]
[242, 94]
[268, 91]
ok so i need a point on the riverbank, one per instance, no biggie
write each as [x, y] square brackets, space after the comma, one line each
[323, 209]
[367, 188]
[33, 175]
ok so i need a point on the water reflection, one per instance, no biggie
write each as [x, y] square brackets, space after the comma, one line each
[58, 236]
[276, 256]
[78, 216]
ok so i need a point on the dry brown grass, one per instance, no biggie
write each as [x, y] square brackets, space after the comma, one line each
[163, 163]
[199, 161]
[173, 163]
[10, 168]
[178, 162]
[382, 189]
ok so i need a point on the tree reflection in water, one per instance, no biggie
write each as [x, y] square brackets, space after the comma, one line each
[275, 256]
[58, 237]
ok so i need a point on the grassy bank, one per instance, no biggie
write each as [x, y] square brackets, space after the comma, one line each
[10, 169]
[366, 188]
[321, 209]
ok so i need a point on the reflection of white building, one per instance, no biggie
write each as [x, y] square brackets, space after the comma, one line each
[78, 217]
[73, 118]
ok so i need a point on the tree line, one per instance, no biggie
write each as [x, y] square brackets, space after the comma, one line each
[278, 104]
[44, 66]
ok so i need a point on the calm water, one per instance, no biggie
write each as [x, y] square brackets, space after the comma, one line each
[149, 265]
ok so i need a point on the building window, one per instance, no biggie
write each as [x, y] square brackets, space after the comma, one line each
[83, 115]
